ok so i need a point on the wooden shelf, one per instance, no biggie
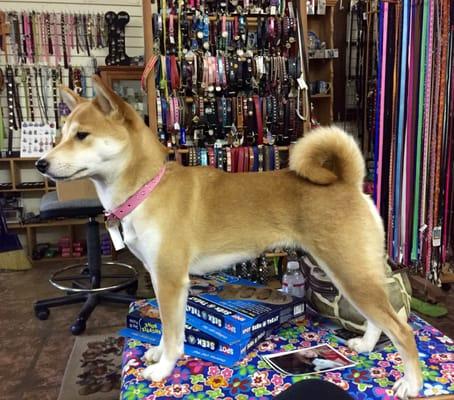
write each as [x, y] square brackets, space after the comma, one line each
[45, 260]
[447, 277]
[321, 96]
[29, 231]
[18, 159]
[276, 254]
[329, 3]
[184, 151]
[41, 189]
[58, 222]
[323, 26]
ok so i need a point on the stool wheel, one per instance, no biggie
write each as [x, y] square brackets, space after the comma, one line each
[78, 327]
[132, 290]
[42, 313]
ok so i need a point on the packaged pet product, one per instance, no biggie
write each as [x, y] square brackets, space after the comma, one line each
[143, 319]
[228, 307]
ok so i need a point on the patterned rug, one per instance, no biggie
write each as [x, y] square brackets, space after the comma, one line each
[93, 369]
[371, 378]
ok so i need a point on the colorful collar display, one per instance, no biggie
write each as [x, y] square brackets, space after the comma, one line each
[136, 199]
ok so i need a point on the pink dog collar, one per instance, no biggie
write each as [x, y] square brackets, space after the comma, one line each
[134, 201]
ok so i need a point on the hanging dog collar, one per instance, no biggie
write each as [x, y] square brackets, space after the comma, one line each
[136, 199]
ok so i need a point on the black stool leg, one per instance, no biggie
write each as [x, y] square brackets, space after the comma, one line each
[94, 253]
[41, 307]
[88, 307]
[117, 298]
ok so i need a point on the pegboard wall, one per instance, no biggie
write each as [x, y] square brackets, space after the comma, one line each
[134, 47]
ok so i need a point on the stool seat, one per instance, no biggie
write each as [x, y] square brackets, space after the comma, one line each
[51, 207]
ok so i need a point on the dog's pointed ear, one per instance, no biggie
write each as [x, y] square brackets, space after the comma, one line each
[107, 100]
[69, 97]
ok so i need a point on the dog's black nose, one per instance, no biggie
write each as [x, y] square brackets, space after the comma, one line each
[42, 165]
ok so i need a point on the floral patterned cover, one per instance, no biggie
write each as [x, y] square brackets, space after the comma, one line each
[371, 378]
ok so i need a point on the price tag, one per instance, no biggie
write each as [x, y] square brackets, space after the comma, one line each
[302, 83]
[112, 226]
[436, 237]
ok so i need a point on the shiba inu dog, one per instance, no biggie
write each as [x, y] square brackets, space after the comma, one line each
[200, 219]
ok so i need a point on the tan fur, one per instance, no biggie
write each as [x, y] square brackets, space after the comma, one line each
[198, 213]
[327, 155]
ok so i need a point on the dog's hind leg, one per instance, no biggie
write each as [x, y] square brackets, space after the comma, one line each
[367, 342]
[171, 287]
[366, 291]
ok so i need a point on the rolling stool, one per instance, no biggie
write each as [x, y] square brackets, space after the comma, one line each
[85, 278]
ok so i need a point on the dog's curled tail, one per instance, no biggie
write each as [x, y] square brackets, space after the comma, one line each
[327, 155]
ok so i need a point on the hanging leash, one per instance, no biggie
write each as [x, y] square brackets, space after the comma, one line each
[147, 70]
[400, 132]
[427, 114]
[433, 147]
[419, 141]
[380, 98]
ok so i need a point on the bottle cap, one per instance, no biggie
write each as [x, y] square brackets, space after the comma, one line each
[293, 265]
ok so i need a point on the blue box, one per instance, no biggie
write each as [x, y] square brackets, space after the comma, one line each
[212, 356]
[232, 307]
[143, 320]
[226, 316]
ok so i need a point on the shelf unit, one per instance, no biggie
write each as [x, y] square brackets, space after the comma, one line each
[30, 231]
[321, 69]
[13, 168]
[12, 171]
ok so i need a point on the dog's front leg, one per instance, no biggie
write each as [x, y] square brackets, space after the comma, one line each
[171, 291]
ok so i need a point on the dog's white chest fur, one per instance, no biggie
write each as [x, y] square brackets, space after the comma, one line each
[144, 244]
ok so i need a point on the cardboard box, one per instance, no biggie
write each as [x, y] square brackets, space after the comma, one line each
[225, 312]
[143, 317]
[76, 190]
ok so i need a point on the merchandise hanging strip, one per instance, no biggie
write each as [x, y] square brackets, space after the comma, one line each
[30, 95]
[40, 50]
[53, 38]
[230, 81]
[362, 67]
[413, 132]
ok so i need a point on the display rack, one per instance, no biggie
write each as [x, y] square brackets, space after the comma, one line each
[13, 181]
[182, 149]
[13, 171]
[321, 67]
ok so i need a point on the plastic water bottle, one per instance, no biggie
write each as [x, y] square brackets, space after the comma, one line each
[293, 280]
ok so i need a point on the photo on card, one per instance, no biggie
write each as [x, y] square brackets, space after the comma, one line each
[312, 360]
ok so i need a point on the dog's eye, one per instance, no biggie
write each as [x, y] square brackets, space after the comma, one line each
[81, 135]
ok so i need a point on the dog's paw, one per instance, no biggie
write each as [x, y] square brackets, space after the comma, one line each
[405, 388]
[153, 354]
[360, 345]
[159, 371]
